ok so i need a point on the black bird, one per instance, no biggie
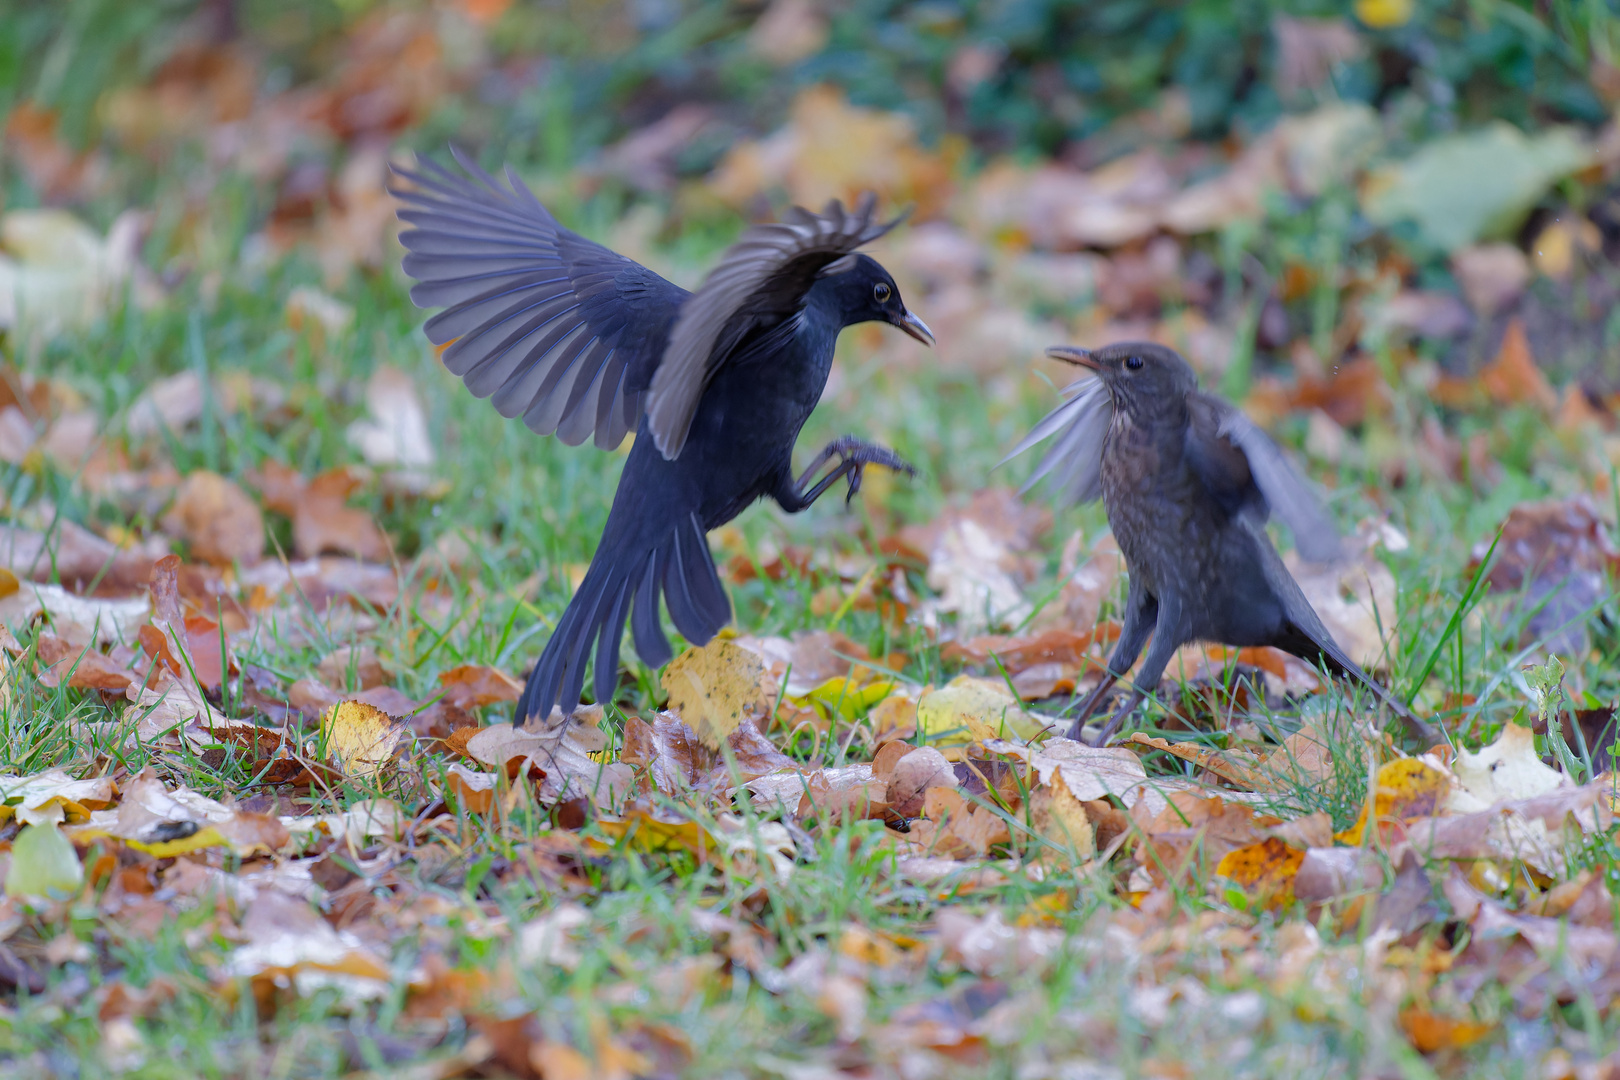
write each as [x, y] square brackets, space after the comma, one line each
[1188, 482]
[716, 384]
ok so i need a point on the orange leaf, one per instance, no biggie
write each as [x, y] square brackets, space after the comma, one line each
[1265, 870]
[1406, 788]
[1429, 1032]
[1513, 378]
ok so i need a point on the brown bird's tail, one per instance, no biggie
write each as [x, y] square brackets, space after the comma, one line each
[1315, 642]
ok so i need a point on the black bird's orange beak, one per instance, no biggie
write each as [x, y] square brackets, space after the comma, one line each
[1071, 354]
[916, 328]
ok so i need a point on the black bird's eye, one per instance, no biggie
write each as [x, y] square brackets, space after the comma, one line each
[880, 293]
[1134, 363]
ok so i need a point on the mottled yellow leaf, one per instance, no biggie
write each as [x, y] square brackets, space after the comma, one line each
[714, 688]
[361, 738]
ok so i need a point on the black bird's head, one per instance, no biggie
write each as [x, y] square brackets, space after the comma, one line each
[862, 291]
[1139, 375]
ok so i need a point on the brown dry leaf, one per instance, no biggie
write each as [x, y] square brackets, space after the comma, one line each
[81, 667]
[831, 149]
[352, 666]
[850, 792]
[1492, 276]
[168, 405]
[564, 752]
[324, 522]
[360, 738]
[910, 775]
[1062, 820]
[715, 688]
[217, 519]
[289, 943]
[1244, 770]
[1513, 377]
[476, 685]
[280, 486]
[668, 749]
[1088, 772]
[475, 790]
[956, 828]
[1555, 556]
[1196, 828]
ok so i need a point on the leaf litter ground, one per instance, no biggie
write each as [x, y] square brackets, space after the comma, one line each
[266, 812]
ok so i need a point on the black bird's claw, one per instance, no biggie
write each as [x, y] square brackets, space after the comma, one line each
[853, 456]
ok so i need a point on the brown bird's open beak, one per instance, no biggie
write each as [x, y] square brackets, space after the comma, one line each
[916, 328]
[1071, 354]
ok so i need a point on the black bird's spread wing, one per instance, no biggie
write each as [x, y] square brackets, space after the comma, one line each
[555, 328]
[760, 281]
[1081, 424]
[1236, 461]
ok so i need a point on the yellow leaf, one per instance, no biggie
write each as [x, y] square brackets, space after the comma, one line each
[1384, 14]
[1061, 819]
[714, 687]
[969, 709]
[166, 849]
[361, 738]
[8, 582]
[1265, 870]
[1406, 788]
[648, 834]
[848, 698]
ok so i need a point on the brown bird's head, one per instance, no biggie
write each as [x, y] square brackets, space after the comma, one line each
[1140, 376]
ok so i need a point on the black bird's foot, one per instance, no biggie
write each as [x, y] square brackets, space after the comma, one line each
[854, 455]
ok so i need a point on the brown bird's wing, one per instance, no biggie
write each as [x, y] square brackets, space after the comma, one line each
[1246, 471]
[551, 326]
[759, 282]
[1081, 424]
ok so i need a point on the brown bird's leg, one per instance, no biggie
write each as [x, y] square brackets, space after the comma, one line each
[1141, 611]
[1168, 636]
[854, 454]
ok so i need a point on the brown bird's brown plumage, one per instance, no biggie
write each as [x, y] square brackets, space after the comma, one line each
[1188, 482]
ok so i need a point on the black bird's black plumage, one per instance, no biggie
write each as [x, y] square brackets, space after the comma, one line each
[584, 343]
[1188, 482]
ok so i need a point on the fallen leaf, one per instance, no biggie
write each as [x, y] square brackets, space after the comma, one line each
[43, 864]
[1062, 820]
[1404, 788]
[970, 709]
[1430, 1032]
[715, 688]
[395, 431]
[1460, 189]
[1513, 377]
[360, 738]
[217, 519]
[1244, 770]
[1265, 871]
[1509, 768]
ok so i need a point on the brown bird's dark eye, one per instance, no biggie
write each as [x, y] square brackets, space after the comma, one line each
[1134, 363]
[880, 293]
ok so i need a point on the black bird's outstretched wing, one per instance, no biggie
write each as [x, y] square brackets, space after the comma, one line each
[759, 281]
[555, 328]
[1081, 424]
[1244, 469]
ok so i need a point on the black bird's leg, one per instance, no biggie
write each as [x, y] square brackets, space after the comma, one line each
[1168, 636]
[1141, 610]
[854, 455]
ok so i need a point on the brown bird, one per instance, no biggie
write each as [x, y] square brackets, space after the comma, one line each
[1188, 482]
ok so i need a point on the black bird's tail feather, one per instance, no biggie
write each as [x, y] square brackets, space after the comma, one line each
[1316, 642]
[679, 567]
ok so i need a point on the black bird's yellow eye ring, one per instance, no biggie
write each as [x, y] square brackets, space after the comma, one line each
[880, 292]
[1134, 363]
